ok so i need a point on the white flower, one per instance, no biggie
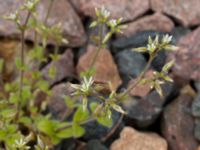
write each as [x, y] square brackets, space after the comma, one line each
[21, 144]
[105, 12]
[167, 39]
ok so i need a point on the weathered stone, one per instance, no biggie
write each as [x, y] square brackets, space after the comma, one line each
[8, 28]
[179, 32]
[157, 22]
[56, 104]
[95, 145]
[142, 112]
[64, 68]
[178, 124]
[131, 139]
[134, 41]
[62, 12]
[196, 106]
[197, 129]
[179, 10]
[106, 70]
[9, 51]
[141, 90]
[130, 64]
[127, 9]
[187, 65]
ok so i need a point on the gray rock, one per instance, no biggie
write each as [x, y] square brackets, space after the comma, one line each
[130, 64]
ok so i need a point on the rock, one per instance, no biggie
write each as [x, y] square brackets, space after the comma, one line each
[141, 90]
[56, 104]
[94, 130]
[197, 86]
[187, 65]
[130, 64]
[178, 124]
[64, 68]
[178, 32]
[95, 145]
[128, 10]
[106, 70]
[197, 129]
[134, 41]
[131, 139]
[8, 28]
[157, 22]
[196, 106]
[66, 144]
[179, 10]
[9, 51]
[62, 12]
[143, 112]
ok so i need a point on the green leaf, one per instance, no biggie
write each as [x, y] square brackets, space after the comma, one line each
[140, 49]
[105, 120]
[78, 131]
[25, 120]
[107, 37]
[166, 67]
[80, 115]
[69, 102]
[65, 133]
[1, 65]
[118, 108]
[93, 24]
[158, 89]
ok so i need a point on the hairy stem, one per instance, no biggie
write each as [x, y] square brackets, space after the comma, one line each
[48, 11]
[99, 46]
[21, 84]
[141, 76]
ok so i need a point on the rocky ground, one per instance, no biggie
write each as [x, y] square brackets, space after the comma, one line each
[152, 123]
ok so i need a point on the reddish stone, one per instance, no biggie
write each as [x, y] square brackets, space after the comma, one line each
[62, 12]
[131, 139]
[106, 69]
[178, 124]
[141, 90]
[127, 9]
[8, 28]
[64, 68]
[187, 64]
[157, 22]
[186, 12]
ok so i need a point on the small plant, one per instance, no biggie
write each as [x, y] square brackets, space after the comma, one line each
[17, 101]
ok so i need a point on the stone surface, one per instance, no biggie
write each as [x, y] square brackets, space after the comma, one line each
[142, 112]
[130, 64]
[64, 68]
[131, 139]
[62, 12]
[141, 90]
[9, 51]
[95, 145]
[197, 129]
[157, 22]
[179, 10]
[56, 104]
[106, 70]
[128, 9]
[178, 124]
[187, 65]
[134, 41]
[8, 28]
[178, 32]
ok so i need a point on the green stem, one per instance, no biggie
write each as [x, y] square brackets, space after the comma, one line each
[71, 124]
[99, 46]
[141, 76]
[23, 29]
[48, 11]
